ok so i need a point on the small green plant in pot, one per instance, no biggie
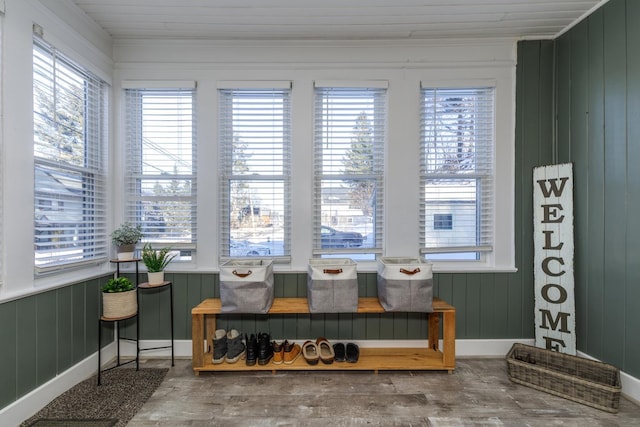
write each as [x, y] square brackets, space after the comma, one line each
[156, 260]
[119, 298]
[125, 238]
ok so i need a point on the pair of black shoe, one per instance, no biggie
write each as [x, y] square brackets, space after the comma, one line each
[346, 353]
[259, 349]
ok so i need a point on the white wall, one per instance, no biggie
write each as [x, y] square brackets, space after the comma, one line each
[85, 44]
[402, 63]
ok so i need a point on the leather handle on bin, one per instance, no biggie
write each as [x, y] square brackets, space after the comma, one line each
[242, 274]
[332, 271]
[409, 272]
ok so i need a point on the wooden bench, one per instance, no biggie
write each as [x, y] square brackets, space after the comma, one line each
[431, 357]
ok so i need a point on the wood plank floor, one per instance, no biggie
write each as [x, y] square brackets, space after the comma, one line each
[478, 393]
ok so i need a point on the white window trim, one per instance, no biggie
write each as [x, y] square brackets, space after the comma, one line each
[403, 65]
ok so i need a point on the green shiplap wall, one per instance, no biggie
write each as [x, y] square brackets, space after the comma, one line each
[597, 100]
[45, 334]
[488, 306]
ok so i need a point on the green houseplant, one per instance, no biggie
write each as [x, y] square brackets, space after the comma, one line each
[156, 261]
[119, 298]
[118, 284]
[125, 238]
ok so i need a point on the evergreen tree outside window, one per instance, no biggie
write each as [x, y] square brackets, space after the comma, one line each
[350, 131]
[69, 158]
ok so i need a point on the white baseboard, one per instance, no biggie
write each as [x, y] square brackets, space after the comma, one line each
[31, 403]
[630, 385]
[464, 348]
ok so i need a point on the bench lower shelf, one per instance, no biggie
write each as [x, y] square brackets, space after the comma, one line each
[432, 357]
[371, 359]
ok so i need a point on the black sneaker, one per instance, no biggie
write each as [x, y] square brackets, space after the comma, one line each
[219, 346]
[252, 350]
[265, 349]
[235, 346]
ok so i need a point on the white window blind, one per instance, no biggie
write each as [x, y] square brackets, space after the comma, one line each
[349, 137]
[161, 166]
[255, 163]
[457, 172]
[69, 110]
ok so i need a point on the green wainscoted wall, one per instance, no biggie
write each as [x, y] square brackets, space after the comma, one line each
[597, 67]
[45, 334]
[488, 306]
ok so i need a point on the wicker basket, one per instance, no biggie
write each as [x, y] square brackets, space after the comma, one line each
[116, 305]
[582, 380]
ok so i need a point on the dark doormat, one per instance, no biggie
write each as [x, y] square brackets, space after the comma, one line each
[120, 396]
[73, 423]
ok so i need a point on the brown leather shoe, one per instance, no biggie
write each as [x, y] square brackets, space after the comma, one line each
[278, 352]
[325, 349]
[310, 352]
[291, 352]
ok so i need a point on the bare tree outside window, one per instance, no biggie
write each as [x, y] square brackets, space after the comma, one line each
[457, 172]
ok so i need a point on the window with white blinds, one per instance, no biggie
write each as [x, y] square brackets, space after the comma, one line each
[69, 114]
[255, 164]
[160, 181]
[457, 173]
[349, 138]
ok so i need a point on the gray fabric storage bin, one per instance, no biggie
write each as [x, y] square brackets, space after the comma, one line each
[405, 284]
[332, 286]
[246, 286]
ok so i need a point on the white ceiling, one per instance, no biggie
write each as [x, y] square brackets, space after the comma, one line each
[334, 19]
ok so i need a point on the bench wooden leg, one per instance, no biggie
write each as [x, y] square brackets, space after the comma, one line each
[210, 330]
[449, 339]
[434, 330]
[197, 335]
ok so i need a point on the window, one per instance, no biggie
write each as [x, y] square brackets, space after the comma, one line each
[69, 105]
[161, 167]
[442, 222]
[457, 173]
[255, 146]
[349, 136]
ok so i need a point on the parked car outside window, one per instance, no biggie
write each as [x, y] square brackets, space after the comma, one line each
[246, 248]
[332, 238]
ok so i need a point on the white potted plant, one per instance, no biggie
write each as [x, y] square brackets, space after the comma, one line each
[125, 238]
[156, 261]
[119, 298]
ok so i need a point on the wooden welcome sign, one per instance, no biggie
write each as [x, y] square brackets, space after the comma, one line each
[553, 259]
